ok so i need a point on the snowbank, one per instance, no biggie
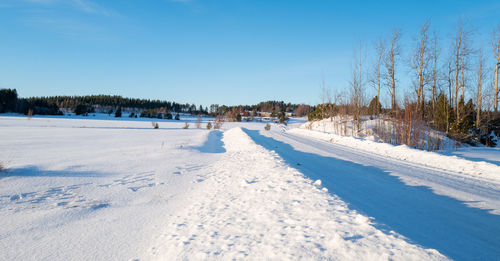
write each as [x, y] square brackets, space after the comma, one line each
[402, 152]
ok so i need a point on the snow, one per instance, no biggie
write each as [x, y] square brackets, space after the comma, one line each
[106, 189]
[454, 214]
[254, 205]
[91, 189]
[376, 129]
[460, 166]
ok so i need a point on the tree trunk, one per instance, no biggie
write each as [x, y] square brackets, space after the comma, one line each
[479, 85]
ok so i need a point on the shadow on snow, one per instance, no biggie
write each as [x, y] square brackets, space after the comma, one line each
[33, 171]
[425, 218]
[213, 144]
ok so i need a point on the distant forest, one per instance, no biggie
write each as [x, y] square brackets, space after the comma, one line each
[83, 105]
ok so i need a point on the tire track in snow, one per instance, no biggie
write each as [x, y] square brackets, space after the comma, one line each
[474, 191]
[366, 183]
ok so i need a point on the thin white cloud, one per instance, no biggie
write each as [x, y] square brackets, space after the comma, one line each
[61, 17]
[85, 6]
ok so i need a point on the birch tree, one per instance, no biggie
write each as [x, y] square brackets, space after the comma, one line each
[357, 88]
[495, 44]
[376, 79]
[390, 60]
[479, 100]
[461, 52]
[419, 63]
[434, 74]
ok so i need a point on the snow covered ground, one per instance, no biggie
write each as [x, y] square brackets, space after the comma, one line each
[82, 189]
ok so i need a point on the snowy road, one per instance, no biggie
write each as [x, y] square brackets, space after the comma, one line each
[399, 195]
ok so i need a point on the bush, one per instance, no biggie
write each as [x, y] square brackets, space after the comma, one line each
[177, 117]
[186, 125]
[267, 127]
[209, 126]
[155, 125]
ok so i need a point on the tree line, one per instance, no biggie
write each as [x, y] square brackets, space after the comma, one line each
[55, 105]
[81, 105]
[272, 107]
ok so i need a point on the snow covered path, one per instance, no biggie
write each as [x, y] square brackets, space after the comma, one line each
[371, 185]
[252, 205]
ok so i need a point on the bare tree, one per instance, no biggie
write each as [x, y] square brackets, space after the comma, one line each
[434, 74]
[450, 86]
[391, 58]
[198, 121]
[480, 75]
[419, 63]
[495, 44]
[461, 51]
[302, 110]
[357, 87]
[376, 79]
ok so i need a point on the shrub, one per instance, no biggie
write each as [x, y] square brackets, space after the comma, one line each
[218, 122]
[177, 117]
[267, 127]
[209, 126]
[155, 125]
[186, 125]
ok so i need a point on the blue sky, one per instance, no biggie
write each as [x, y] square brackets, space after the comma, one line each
[207, 51]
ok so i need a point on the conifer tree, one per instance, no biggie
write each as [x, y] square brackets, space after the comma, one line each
[118, 112]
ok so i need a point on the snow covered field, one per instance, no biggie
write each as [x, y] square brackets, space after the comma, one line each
[84, 189]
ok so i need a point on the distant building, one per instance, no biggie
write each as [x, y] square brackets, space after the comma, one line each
[264, 114]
